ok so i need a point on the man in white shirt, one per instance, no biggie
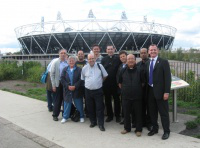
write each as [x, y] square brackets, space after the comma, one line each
[93, 74]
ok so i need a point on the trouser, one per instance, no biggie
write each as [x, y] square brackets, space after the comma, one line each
[136, 105]
[50, 99]
[145, 110]
[161, 106]
[58, 100]
[109, 93]
[95, 105]
[67, 107]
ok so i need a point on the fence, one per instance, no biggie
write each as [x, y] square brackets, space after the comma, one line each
[189, 72]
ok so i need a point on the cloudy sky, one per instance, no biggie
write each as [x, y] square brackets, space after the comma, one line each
[181, 14]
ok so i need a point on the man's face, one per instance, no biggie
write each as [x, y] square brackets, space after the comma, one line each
[153, 51]
[131, 61]
[80, 55]
[96, 50]
[62, 55]
[71, 62]
[143, 54]
[110, 50]
[91, 59]
[123, 58]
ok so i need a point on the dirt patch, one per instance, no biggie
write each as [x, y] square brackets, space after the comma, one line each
[18, 85]
[191, 132]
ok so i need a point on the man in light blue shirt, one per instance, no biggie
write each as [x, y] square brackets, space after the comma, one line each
[94, 74]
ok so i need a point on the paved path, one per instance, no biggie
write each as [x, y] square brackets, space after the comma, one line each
[32, 115]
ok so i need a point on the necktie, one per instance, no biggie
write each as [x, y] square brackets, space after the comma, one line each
[151, 73]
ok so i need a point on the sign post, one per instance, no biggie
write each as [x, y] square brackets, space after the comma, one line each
[176, 84]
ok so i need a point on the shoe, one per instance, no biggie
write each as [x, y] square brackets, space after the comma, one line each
[165, 136]
[101, 127]
[55, 118]
[109, 119]
[63, 120]
[118, 119]
[124, 132]
[138, 134]
[92, 125]
[152, 132]
[82, 120]
[50, 109]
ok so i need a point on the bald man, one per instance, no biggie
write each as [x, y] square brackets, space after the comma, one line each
[93, 74]
[130, 83]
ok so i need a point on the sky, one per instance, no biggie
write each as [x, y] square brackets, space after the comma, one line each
[184, 15]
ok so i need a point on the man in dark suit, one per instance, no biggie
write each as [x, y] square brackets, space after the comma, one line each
[159, 83]
[145, 110]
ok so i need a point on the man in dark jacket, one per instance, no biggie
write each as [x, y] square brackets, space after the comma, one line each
[142, 66]
[110, 88]
[130, 83]
[159, 83]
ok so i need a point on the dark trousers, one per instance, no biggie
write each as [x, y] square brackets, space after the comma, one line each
[145, 109]
[128, 106]
[58, 100]
[109, 93]
[95, 105]
[161, 106]
[50, 99]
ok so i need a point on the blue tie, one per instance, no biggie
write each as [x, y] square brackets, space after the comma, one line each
[151, 73]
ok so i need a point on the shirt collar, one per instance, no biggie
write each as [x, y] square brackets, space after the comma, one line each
[155, 59]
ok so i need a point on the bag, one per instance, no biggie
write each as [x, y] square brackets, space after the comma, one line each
[44, 77]
[76, 116]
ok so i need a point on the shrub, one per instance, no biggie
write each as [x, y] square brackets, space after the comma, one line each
[191, 125]
[34, 74]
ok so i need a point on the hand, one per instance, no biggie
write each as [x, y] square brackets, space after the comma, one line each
[71, 88]
[166, 96]
[54, 89]
[120, 85]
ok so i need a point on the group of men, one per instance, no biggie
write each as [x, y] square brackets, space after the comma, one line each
[139, 90]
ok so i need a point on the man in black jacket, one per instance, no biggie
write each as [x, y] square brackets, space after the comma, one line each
[159, 83]
[145, 111]
[110, 87]
[130, 82]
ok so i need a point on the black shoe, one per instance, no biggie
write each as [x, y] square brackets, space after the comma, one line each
[50, 109]
[165, 136]
[152, 132]
[101, 127]
[122, 122]
[118, 119]
[92, 125]
[55, 118]
[109, 119]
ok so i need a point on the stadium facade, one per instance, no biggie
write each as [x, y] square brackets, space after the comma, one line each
[49, 37]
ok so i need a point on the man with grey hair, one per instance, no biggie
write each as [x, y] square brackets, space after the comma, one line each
[55, 75]
[93, 74]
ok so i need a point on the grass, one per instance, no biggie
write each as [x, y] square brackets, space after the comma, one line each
[36, 93]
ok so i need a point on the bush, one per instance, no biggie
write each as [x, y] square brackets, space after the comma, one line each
[34, 74]
[191, 125]
[10, 71]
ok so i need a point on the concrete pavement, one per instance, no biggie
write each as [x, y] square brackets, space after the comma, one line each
[32, 116]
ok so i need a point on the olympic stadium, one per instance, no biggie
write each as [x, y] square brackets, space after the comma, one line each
[47, 38]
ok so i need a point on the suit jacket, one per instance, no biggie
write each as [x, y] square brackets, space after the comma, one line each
[161, 77]
[55, 73]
